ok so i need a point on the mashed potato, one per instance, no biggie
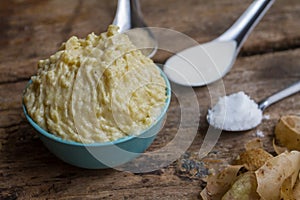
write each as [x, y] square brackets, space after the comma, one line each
[96, 89]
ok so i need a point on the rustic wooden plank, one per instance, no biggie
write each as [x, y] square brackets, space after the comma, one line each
[11, 95]
[31, 30]
[17, 70]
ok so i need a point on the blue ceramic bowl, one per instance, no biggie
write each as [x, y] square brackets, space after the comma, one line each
[106, 154]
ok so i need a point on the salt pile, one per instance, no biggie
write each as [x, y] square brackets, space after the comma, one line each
[235, 112]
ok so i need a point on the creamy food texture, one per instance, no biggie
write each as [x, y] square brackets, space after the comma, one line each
[235, 112]
[97, 89]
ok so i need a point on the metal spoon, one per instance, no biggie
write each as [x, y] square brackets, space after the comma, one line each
[206, 63]
[129, 17]
[262, 105]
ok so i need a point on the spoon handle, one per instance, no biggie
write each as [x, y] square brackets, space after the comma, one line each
[123, 15]
[294, 88]
[240, 30]
[128, 15]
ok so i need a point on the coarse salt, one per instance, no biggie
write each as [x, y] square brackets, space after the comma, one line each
[260, 134]
[235, 112]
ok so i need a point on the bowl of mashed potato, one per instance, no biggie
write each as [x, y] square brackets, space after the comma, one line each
[98, 102]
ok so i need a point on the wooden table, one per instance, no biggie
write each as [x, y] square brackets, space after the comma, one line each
[33, 29]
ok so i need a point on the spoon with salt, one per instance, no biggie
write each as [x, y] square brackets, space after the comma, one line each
[237, 112]
[206, 63]
[129, 18]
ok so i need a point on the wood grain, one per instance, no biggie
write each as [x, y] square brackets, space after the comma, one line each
[32, 29]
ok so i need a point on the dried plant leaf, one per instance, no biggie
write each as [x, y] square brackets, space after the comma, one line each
[204, 194]
[296, 190]
[268, 177]
[294, 157]
[287, 132]
[253, 159]
[219, 184]
[278, 149]
[244, 188]
[286, 190]
[271, 176]
[254, 144]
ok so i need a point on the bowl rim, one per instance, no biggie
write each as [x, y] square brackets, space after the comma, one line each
[51, 136]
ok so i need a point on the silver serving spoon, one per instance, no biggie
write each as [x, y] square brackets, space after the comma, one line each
[262, 105]
[206, 63]
[129, 18]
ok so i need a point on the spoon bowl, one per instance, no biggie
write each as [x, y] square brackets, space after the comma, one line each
[216, 56]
